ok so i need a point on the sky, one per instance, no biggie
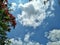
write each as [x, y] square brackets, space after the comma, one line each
[37, 23]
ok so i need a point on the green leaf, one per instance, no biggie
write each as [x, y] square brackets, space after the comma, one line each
[1, 11]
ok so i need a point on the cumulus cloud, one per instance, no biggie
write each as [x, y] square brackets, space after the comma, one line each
[27, 36]
[25, 42]
[34, 12]
[20, 42]
[13, 6]
[54, 37]
[54, 43]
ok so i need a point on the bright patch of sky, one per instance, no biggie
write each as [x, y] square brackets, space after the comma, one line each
[38, 18]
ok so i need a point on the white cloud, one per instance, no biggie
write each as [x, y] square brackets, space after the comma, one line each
[54, 43]
[54, 37]
[20, 42]
[27, 36]
[52, 4]
[13, 6]
[25, 42]
[33, 12]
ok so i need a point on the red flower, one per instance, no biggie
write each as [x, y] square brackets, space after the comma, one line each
[13, 23]
[11, 17]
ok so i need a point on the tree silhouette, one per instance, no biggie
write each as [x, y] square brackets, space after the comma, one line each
[6, 21]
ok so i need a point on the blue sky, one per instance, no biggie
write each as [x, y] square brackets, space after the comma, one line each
[48, 23]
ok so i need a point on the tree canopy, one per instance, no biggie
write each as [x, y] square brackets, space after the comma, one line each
[6, 21]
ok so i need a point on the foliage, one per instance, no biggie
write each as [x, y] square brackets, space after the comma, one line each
[6, 21]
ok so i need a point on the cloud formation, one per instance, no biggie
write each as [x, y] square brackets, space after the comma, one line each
[25, 42]
[34, 12]
[54, 37]
[54, 43]
[27, 36]
[20, 42]
[13, 6]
